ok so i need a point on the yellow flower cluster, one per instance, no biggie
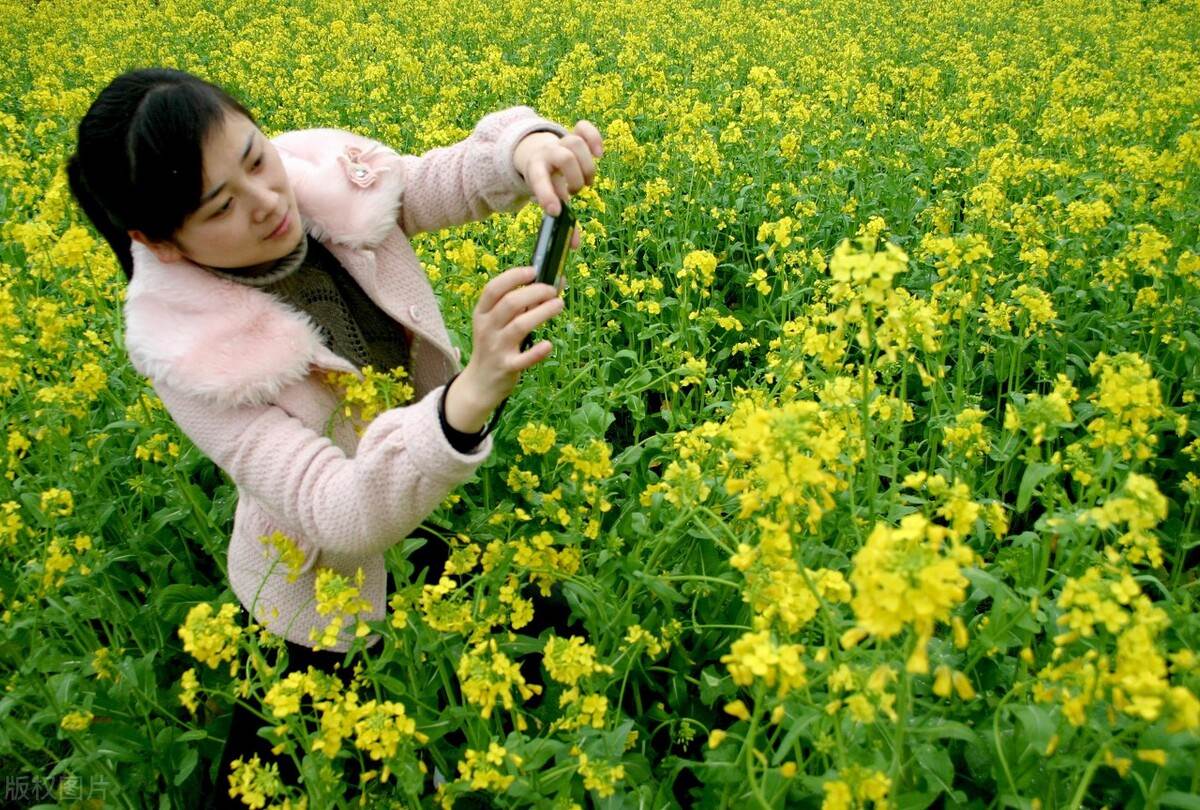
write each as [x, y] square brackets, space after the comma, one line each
[599, 776]
[336, 595]
[543, 563]
[1042, 417]
[908, 575]
[362, 399]
[593, 461]
[188, 686]
[254, 782]
[863, 698]
[536, 439]
[157, 448]
[568, 660]
[1129, 400]
[757, 655]
[60, 560]
[480, 769]
[486, 674]
[1126, 666]
[288, 552]
[212, 639]
[967, 436]
[855, 788]
[76, 721]
[1141, 507]
[698, 270]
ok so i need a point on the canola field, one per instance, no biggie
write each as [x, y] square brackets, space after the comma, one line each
[868, 458]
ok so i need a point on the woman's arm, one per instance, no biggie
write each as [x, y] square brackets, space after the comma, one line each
[403, 469]
[469, 180]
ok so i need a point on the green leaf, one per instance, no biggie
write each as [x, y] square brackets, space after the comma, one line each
[190, 758]
[936, 766]
[1038, 724]
[164, 517]
[713, 686]
[946, 730]
[591, 419]
[1035, 473]
[1176, 798]
[174, 601]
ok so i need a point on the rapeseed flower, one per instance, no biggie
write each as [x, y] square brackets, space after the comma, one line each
[212, 639]
[908, 575]
[486, 674]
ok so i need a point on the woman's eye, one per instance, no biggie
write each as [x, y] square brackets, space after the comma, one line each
[258, 162]
[225, 207]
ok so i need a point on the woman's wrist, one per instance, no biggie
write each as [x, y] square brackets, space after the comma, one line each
[465, 409]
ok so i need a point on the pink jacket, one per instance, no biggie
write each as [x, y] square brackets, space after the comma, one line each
[241, 372]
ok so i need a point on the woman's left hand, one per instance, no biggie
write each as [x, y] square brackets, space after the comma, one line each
[556, 167]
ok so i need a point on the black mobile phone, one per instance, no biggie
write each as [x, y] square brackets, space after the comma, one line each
[550, 251]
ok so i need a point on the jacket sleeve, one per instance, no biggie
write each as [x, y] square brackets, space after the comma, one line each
[469, 180]
[403, 469]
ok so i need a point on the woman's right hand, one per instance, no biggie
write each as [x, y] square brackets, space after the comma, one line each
[510, 307]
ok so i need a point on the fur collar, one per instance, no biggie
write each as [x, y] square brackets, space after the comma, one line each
[232, 343]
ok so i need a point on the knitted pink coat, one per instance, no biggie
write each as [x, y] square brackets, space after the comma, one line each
[241, 372]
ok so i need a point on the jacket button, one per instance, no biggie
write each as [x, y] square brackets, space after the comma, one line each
[413, 312]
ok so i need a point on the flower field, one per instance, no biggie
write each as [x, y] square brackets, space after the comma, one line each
[867, 460]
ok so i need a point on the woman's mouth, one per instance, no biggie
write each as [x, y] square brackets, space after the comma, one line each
[283, 227]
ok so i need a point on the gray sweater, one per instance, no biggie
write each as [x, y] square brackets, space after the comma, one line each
[311, 280]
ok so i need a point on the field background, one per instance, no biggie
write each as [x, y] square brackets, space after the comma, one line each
[867, 457]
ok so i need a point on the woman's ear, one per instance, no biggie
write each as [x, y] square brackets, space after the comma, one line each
[165, 251]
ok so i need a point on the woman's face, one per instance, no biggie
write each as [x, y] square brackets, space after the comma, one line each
[246, 197]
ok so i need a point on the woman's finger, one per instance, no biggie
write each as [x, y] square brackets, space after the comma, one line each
[533, 355]
[543, 188]
[567, 163]
[583, 157]
[576, 235]
[518, 301]
[587, 130]
[526, 322]
[560, 189]
[499, 286]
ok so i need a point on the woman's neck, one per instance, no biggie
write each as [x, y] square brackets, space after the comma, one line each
[264, 273]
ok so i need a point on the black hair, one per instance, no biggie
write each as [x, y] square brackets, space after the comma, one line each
[138, 159]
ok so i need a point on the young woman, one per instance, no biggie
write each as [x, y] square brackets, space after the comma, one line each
[257, 265]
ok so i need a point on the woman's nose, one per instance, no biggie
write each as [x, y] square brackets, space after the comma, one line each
[266, 203]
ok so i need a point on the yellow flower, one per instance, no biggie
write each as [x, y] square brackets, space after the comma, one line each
[486, 674]
[756, 655]
[254, 782]
[908, 575]
[570, 659]
[211, 639]
[57, 502]
[382, 726]
[600, 776]
[738, 709]
[536, 438]
[1156, 755]
[592, 462]
[289, 553]
[76, 721]
[188, 687]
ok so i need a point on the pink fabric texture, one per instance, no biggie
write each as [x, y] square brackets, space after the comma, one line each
[241, 372]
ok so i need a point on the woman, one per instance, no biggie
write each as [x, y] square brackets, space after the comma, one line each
[256, 266]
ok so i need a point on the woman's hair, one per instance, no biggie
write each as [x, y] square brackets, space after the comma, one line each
[138, 159]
